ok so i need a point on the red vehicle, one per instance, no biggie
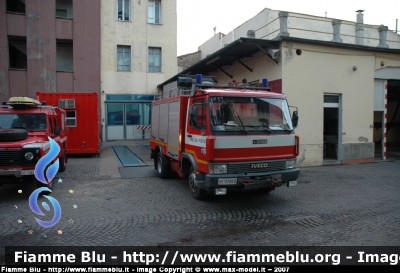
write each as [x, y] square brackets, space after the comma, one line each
[224, 138]
[25, 125]
[83, 121]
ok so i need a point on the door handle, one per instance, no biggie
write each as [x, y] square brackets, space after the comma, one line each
[189, 135]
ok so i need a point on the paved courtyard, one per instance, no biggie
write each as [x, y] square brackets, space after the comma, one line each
[344, 205]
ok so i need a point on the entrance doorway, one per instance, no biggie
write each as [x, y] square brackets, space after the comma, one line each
[128, 121]
[393, 120]
[332, 128]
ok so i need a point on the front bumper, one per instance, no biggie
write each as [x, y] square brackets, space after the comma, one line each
[16, 172]
[249, 181]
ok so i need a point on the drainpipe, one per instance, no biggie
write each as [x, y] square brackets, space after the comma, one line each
[360, 28]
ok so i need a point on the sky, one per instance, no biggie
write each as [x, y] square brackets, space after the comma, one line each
[197, 18]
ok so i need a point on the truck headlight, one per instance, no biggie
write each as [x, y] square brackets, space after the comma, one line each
[218, 169]
[29, 156]
[290, 164]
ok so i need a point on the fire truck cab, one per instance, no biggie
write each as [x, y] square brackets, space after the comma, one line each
[224, 138]
[25, 127]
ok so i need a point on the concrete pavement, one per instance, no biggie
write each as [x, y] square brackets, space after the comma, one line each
[331, 206]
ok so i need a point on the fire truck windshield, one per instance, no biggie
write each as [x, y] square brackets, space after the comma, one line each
[23, 121]
[249, 114]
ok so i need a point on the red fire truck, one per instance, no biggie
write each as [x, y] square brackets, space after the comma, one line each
[224, 138]
[25, 125]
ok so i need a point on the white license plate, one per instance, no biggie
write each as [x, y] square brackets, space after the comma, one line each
[28, 172]
[227, 181]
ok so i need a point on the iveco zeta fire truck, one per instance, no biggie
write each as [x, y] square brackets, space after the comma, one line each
[224, 138]
[25, 125]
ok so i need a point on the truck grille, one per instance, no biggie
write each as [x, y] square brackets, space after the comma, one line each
[247, 167]
[10, 158]
[17, 158]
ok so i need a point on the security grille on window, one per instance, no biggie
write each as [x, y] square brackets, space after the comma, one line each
[154, 59]
[71, 118]
[124, 58]
[66, 103]
[154, 12]
[123, 10]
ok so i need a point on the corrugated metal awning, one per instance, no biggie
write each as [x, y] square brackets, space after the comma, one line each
[233, 52]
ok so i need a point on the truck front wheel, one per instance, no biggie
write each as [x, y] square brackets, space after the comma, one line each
[163, 169]
[62, 162]
[196, 192]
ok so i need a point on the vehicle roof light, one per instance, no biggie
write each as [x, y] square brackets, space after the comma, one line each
[199, 78]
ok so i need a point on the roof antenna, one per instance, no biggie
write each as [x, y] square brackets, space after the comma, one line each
[215, 28]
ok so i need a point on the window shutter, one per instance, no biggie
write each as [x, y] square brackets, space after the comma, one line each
[151, 12]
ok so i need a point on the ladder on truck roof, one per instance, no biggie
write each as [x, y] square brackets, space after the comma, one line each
[186, 85]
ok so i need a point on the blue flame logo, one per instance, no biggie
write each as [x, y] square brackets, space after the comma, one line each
[51, 172]
[45, 160]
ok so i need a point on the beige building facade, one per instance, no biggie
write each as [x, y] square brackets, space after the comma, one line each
[345, 83]
[138, 51]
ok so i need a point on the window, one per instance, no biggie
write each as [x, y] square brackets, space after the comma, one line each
[123, 10]
[62, 122]
[66, 103]
[61, 13]
[71, 118]
[154, 59]
[17, 6]
[17, 52]
[64, 8]
[64, 56]
[154, 12]
[23, 121]
[198, 114]
[249, 115]
[124, 58]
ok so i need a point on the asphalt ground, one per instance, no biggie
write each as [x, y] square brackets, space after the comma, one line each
[341, 205]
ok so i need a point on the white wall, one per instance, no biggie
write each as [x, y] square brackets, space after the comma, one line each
[319, 70]
[267, 26]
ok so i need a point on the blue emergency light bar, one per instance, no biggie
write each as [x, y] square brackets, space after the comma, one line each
[265, 82]
[199, 78]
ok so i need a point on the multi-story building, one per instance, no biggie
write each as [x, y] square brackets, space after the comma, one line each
[138, 51]
[49, 46]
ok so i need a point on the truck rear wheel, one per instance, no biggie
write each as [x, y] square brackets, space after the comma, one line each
[163, 169]
[196, 192]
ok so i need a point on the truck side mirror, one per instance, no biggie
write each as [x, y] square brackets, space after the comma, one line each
[193, 116]
[295, 119]
[57, 130]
